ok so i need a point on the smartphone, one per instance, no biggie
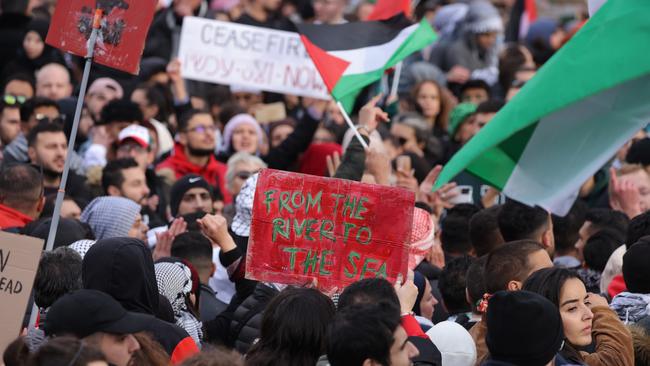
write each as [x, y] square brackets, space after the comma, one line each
[272, 112]
[465, 195]
[403, 163]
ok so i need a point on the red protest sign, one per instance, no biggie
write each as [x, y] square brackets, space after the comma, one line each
[332, 230]
[124, 28]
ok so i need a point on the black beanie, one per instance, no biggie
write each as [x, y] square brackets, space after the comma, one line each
[183, 185]
[524, 328]
[636, 271]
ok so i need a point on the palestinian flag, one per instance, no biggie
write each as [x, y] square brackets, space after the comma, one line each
[352, 55]
[572, 117]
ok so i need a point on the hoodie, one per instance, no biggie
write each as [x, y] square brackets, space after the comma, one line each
[123, 268]
[214, 172]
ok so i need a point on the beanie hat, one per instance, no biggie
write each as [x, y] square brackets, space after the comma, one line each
[183, 185]
[454, 343]
[237, 121]
[636, 271]
[420, 283]
[458, 115]
[524, 328]
[102, 84]
[483, 17]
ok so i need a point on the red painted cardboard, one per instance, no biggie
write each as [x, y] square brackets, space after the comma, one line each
[124, 29]
[332, 232]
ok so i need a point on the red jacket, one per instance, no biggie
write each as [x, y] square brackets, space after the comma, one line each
[214, 172]
[10, 218]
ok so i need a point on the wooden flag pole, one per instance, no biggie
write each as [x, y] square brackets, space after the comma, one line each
[56, 216]
[351, 125]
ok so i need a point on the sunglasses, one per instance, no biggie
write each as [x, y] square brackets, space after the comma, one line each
[13, 99]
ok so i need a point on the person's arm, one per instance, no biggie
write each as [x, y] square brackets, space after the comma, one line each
[613, 340]
[284, 155]
[354, 160]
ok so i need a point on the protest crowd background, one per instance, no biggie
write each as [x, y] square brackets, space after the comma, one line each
[149, 265]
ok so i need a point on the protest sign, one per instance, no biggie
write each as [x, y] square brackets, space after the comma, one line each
[255, 57]
[308, 229]
[19, 257]
[124, 27]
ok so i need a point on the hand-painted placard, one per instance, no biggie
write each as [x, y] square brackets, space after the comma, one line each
[124, 28]
[333, 232]
[19, 257]
[254, 57]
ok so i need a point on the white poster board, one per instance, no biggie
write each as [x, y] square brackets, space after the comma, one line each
[253, 57]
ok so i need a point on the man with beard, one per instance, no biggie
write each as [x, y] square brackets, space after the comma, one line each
[194, 151]
[47, 149]
[124, 178]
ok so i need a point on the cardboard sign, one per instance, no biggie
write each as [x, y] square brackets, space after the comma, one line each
[333, 232]
[19, 257]
[123, 30]
[254, 57]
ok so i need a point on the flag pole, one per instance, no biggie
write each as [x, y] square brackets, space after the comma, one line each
[351, 125]
[396, 76]
[92, 41]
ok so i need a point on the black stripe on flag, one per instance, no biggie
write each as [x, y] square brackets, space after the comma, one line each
[350, 36]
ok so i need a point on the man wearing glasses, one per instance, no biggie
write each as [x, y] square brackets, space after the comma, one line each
[194, 151]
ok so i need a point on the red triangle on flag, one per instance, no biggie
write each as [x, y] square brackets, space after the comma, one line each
[385, 9]
[330, 67]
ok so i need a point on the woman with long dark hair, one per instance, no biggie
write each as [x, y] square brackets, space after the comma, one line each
[586, 318]
[294, 328]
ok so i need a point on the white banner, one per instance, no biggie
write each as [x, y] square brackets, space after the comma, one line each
[254, 57]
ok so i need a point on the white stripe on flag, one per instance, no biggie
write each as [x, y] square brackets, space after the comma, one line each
[571, 144]
[367, 59]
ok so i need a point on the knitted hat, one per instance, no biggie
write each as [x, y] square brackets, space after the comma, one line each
[454, 343]
[237, 121]
[636, 271]
[458, 115]
[483, 17]
[183, 185]
[524, 328]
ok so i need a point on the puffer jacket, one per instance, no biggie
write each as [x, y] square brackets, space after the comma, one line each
[247, 318]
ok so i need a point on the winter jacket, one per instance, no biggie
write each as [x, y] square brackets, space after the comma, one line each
[247, 320]
[214, 172]
[123, 268]
[613, 341]
[354, 161]
[12, 219]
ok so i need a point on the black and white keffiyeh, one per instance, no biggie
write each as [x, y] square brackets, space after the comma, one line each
[110, 217]
[175, 283]
[241, 223]
[81, 246]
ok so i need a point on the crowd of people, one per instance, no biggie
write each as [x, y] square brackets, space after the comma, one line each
[149, 258]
